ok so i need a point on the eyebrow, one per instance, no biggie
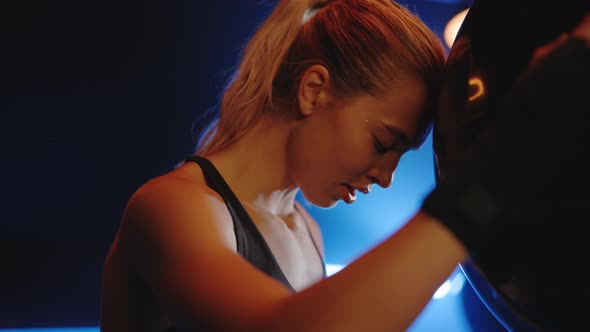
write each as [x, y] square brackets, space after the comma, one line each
[399, 135]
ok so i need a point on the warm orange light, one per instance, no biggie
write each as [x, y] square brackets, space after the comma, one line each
[453, 26]
[477, 83]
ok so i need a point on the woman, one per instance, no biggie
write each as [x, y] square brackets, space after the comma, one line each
[327, 98]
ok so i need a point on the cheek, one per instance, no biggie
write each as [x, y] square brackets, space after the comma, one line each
[314, 156]
[323, 154]
[354, 153]
[308, 152]
[307, 169]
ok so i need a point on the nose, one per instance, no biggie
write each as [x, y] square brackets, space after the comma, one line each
[382, 172]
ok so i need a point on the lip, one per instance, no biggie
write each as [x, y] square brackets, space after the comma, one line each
[364, 189]
[347, 194]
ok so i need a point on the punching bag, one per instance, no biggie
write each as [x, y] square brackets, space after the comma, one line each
[547, 289]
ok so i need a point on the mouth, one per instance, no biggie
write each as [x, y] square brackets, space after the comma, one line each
[348, 194]
[365, 190]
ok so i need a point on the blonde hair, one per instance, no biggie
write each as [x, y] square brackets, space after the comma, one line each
[365, 44]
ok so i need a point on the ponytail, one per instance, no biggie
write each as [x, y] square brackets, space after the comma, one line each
[250, 92]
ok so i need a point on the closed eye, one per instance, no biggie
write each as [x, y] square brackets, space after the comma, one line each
[401, 141]
[379, 147]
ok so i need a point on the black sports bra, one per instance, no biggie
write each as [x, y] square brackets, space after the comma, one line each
[250, 242]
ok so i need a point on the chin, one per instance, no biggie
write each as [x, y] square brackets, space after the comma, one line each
[333, 205]
[324, 204]
[321, 202]
[327, 205]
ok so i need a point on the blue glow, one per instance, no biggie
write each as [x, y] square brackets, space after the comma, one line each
[452, 286]
[333, 268]
[351, 230]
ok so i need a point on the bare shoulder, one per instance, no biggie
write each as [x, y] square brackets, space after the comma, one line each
[313, 225]
[173, 230]
[174, 208]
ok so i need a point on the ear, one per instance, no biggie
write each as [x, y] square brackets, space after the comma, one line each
[313, 88]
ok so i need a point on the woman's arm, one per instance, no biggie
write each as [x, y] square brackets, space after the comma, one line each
[176, 238]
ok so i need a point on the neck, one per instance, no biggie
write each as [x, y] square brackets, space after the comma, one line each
[256, 169]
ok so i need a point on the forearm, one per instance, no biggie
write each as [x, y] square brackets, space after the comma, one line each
[385, 289]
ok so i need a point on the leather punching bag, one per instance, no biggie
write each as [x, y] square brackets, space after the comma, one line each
[548, 289]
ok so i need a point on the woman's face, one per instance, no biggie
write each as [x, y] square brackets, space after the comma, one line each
[348, 146]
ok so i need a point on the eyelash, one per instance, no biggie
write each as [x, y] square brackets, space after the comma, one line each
[379, 147]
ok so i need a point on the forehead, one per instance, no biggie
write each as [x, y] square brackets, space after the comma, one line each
[402, 107]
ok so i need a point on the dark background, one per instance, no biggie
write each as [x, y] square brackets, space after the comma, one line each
[96, 97]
